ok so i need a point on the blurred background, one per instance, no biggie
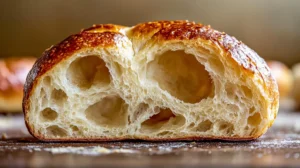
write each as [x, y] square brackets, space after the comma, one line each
[270, 27]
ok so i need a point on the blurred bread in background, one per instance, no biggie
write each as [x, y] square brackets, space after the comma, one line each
[296, 89]
[284, 78]
[13, 73]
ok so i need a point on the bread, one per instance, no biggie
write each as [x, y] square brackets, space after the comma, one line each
[167, 80]
[284, 77]
[296, 89]
[13, 72]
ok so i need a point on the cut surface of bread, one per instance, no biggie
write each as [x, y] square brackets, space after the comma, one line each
[166, 80]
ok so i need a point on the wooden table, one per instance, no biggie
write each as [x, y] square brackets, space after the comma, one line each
[279, 147]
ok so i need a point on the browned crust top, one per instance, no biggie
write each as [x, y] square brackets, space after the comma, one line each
[185, 30]
[234, 49]
[98, 35]
[107, 35]
[98, 28]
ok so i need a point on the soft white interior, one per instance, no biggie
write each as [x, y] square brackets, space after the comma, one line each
[169, 91]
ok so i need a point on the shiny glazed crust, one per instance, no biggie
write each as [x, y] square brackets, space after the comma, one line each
[108, 35]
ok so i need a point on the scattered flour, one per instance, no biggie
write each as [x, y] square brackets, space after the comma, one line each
[91, 151]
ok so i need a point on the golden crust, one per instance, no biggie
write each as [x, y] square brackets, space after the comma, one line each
[98, 35]
[185, 30]
[234, 50]
[99, 28]
[107, 35]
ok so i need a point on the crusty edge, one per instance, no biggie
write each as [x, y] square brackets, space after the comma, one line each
[234, 49]
[164, 30]
[126, 138]
[98, 35]
[237, 52]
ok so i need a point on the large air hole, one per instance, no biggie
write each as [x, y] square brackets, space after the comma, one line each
[75, 130]
[181, 75]
[217, 65]
[164, 120]
[110, 111]
[226, 127]
[204, 126]
[58, 97]
[247, 92]
[48, 114]
[87, 71]
[56, 131]
[255, 119]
